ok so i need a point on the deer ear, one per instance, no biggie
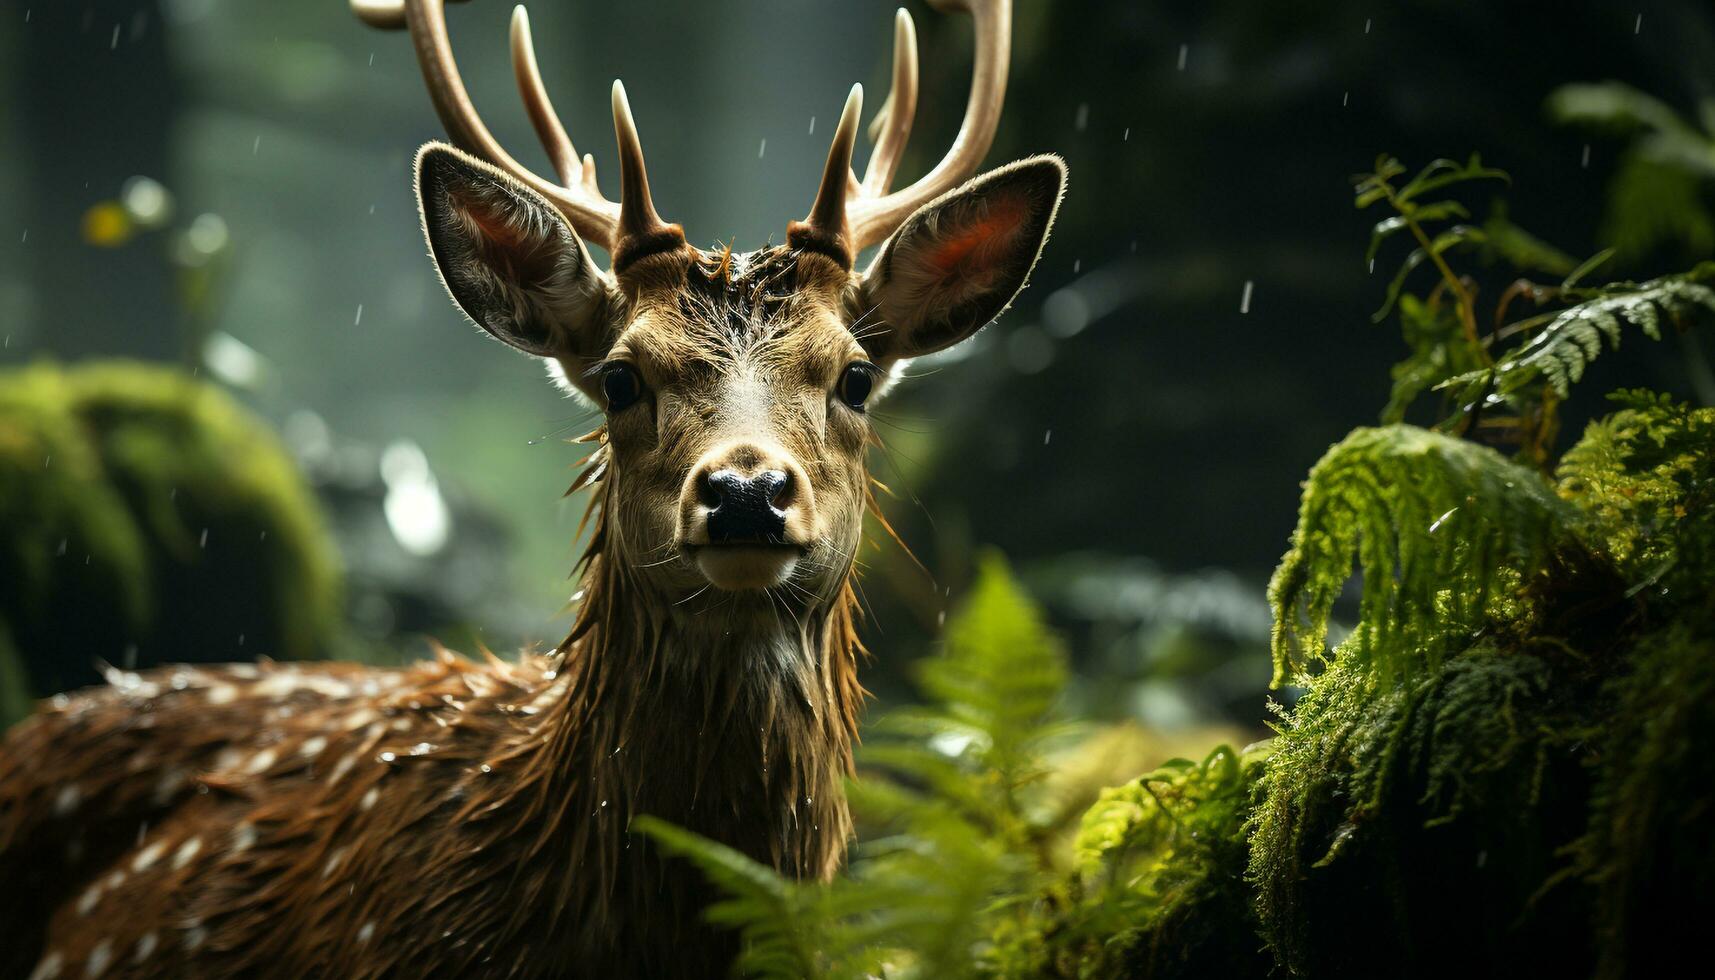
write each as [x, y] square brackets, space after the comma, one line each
[955, 264]
[509, 259]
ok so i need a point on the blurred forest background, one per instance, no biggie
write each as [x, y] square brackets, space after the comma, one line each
[223, 185]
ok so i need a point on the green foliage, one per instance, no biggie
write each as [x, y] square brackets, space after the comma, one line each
[1512, 742]
[1658, 196]
[964, 823]
[1652, 818]
[1505, 384]
[1443, 801]
[145, 517]
[1576, 335]
[1447, 535]
[1647, 474]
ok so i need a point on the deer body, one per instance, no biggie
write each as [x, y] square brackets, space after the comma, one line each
[465, 819]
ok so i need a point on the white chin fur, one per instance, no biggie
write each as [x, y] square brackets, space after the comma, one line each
[736, 569]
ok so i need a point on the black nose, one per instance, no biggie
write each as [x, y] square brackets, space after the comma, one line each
[742, 507]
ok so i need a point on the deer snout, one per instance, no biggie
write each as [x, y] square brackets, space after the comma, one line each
[746, 509]
[746, 515]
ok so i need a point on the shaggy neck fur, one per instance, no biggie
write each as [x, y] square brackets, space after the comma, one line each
[739, 728]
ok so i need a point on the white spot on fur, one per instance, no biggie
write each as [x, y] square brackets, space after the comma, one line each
[357, 719]
[313, 747]
[333, 862]
[243, 837]
[49, 967]
[87, 902]
[168, 784]
[99, 957]
[370, 797]
[195, 936]
[366, 933]
[342, 767]
[145, 947]
[260, 762]
[67, 799]
[187, 851]
[224, 694]
[149, 856]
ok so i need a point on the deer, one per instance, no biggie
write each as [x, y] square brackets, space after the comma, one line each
[461, 817]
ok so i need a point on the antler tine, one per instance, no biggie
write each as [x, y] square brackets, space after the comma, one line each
[891, 127]
[590, 214]
[825, 229]
[874, 218]
[639, 230]
[536, 102]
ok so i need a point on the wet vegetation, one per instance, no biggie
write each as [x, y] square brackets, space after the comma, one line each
[1497, 768]
[1493, 632]
[146, 518]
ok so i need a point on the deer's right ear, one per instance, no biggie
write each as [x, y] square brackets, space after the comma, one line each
[509, 258]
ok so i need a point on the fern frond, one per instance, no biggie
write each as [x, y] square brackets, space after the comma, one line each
[1562, 352]
[779, 937]
[1445, 533]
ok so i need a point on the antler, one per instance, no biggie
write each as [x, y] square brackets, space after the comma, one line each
[871, 213]
[595, 218]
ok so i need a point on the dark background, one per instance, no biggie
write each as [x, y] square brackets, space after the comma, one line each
[1128, 435]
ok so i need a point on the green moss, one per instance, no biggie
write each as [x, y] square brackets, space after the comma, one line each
[145, 517]
[1647, 476]
[1393, 820]
[1649, 849]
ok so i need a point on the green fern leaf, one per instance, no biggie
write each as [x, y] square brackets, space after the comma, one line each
[1562, 352]
[1445, 533]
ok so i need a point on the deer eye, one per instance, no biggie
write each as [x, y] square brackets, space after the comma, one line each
[622, 385]
[857, 381]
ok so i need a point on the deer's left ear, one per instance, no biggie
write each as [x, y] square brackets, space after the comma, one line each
[953, 266]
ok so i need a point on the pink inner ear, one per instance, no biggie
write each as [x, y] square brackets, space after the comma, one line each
[505, 239]
[977, 241]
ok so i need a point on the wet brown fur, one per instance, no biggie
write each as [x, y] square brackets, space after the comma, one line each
[451, 818]
[471, 819]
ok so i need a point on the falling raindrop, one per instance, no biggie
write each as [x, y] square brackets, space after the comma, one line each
[113, 42]
[1586, 161]
[1047, 434]
[1127, 137]
[812, 125]
[1184, 52]
[1083, 120]
[1638, 26]
[1367, 22]
[203, 541]
[1245, 300]
[357, 321]
[256, 147]
[760, 150]
[1346, 99]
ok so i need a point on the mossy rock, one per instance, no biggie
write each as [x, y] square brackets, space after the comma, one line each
[1650, 851]
[145, 518]
[1424, 827]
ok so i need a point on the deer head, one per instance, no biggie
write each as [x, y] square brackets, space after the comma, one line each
[735, 386]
